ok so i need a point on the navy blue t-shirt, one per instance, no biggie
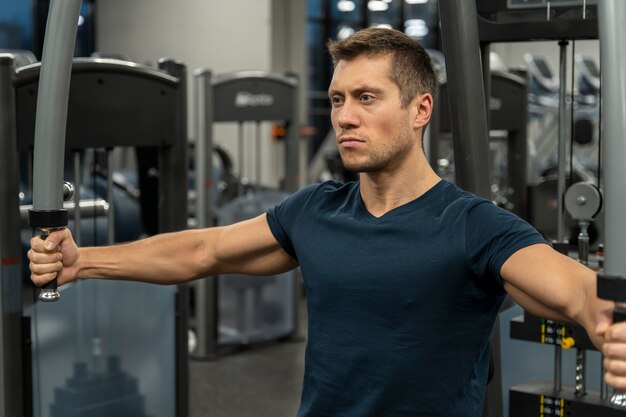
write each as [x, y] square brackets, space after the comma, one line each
[400, 307]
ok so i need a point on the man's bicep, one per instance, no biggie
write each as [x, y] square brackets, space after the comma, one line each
[249, 247]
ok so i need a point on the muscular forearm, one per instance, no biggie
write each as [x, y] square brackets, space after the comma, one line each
[168, 258]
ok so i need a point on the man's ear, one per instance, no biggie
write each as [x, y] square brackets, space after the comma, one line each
[423, 110]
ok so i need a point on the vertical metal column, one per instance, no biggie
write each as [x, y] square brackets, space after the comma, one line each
[611, 17]
[50, 123]
[206, 305]
[257, 149]
[292, 143]
[240, 152]
[203, 148]
[562, 163]
[173, 217]
[485, 59]
[562, 142]
[11, 373]
[459, 31]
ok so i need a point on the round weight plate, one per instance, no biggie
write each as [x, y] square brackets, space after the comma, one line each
[583, 201]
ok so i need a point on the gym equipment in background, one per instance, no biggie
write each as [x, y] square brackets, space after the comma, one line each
[507, 144]
[235, 311]
[517, 21]
[112, 104]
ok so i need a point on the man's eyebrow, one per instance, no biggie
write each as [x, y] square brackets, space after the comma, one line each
[368, 88]
[358, 90]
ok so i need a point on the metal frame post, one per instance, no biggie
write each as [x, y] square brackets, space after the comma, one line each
[51, 122]
[205, 315]
[173, 196]
[11, 372]
[611, 15]
[459, 32]
[292, 142]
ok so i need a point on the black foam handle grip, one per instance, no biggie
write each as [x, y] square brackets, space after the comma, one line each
[619, 314]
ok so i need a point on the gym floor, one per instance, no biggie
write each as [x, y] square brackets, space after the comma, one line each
[264, 381]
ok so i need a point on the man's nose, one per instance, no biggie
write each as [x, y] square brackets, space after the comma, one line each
[347, 115]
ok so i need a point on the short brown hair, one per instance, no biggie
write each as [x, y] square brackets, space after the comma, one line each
[411, 67]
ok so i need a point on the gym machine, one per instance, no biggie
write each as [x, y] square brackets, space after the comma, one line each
[507, 140]
[502, 21]
[234, 311]
[583, 202]
[571, 22]
[93, 351]
[582, 128]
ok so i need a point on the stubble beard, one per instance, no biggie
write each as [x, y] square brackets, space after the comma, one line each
[392, 150]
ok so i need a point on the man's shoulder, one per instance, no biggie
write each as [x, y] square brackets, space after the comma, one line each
[317, 196]
[456, 198]
[326, 190]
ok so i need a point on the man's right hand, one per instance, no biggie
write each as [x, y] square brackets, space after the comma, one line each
[57, 256]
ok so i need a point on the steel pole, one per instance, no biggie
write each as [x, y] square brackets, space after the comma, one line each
[50, 122]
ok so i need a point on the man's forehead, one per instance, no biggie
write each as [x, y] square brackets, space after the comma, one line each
[374, 58]
[360, 74]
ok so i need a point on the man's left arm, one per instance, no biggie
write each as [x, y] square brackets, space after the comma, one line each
[551, 285]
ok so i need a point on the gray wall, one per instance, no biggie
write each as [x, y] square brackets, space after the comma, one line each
[223, 36]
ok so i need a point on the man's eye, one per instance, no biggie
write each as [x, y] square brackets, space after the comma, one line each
[335, 100]
[366, 97]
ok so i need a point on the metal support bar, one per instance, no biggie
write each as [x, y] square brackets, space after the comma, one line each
[11, 372]
[562, 143]
[292, 145]
[240, 149]
[257, 148]
[52, 99]
[459, 30]
[50, 123]
[205, 314]
[173, 160]
[611, 17]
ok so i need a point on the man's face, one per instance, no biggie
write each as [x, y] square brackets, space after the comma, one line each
[373, 130]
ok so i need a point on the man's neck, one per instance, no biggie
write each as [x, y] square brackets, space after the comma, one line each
[384, 191]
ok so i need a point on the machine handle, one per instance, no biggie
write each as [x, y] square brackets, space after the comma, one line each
[619, 313]
[49, 290]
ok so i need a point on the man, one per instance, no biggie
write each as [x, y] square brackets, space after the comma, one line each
[404, 272]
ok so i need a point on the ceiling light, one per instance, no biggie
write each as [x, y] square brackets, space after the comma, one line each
[416, 28]
[377, 5]
[344, 32]
[416, 1]
[346, 6]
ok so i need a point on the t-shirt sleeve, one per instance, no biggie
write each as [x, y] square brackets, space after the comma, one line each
[282, 217]
[492, 236]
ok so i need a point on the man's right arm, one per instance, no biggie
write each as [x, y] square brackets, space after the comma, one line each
[248, 247]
